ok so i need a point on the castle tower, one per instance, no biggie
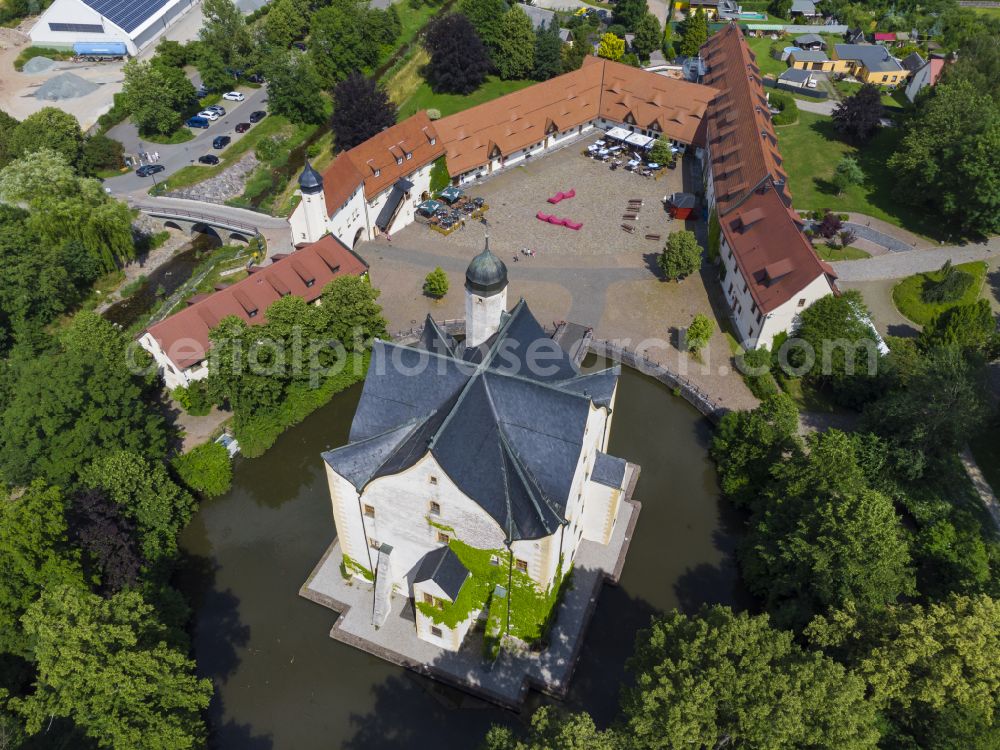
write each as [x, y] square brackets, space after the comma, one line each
[313, 203]
[485, 296]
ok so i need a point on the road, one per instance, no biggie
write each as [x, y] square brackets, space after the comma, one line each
[173, 157]
[900, 265]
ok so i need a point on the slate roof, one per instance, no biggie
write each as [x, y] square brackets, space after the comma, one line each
[807, 39]
[805, 55]
[797, 75]
[913, 62]
[507, 433]
[444, 568]
[807, 7]
[873, 56]
[608, 470]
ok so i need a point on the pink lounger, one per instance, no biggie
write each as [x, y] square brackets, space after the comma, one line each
[543, 217]
[572, 224]
[556, 198]
[556, 220]
[571, 193]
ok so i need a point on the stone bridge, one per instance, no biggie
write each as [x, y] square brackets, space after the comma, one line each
[226, 222]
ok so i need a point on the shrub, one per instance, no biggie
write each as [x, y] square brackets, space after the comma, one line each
[950, 287]
[436, 283]
[755, 366]
[206, 469]
[193, 399]
[788, 110]
[681, 256]
[699, 333]
[433, 114]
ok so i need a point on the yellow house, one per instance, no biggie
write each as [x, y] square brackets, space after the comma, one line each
[804, 59]
[869, 63]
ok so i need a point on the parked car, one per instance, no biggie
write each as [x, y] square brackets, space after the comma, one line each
[208, 159]
[201, 92]
[233, 96]
[197, 122]
[217, 108]
[148, 169]
[243, 127]
[209, 114]
[255, 78]
[257, 116]
[221, 141]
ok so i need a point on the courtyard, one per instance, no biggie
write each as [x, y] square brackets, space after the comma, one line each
[600, 276]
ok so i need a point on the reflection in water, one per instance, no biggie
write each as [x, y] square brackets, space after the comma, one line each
[281, 682]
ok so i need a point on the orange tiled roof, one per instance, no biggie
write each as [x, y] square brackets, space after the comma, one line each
[380, 153]
[741, 138]
[184, 335]
[773, 255]
[600, 88]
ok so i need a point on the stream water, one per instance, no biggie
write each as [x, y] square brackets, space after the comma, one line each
[282, 683]
[162, 281]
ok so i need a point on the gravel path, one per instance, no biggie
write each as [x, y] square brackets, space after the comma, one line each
[820, 107]
[901, 265]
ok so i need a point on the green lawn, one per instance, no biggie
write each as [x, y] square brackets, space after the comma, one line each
[805, 396]
[907, 293]
[811, 149]
[986, 449]
[841, 253]
[761, 47]
[191, 175]
[995, 12]
[448, 104]
[894, 100]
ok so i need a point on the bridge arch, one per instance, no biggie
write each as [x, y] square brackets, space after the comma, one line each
[359, 235]
[203, 228]
[239, 237]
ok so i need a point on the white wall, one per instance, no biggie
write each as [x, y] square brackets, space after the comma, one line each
[920, 79]
[173, 375]
[74, 11]
[786, 317]
[482, 316]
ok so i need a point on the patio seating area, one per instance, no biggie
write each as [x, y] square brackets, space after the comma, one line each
[450, 211]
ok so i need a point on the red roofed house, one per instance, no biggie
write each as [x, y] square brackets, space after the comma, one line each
[772, 271]
[179, 344]
[371, 189]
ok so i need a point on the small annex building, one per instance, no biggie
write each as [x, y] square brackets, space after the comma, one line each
[135, 23]
[179, 344]
[491, 450]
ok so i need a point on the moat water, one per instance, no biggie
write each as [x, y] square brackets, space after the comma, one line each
[282, 683]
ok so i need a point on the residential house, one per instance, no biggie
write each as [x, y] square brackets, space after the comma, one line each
[809, 60]
[854, 36]
[541, 17]
[912, 62]
[491, 449]
[771, 272]
[804, 9]
[869, 63]
[180, 343]
[924, 76]
[798, 78]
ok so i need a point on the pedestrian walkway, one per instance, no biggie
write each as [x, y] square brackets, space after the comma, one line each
[986, 493]
[910, 239]
[901, 265]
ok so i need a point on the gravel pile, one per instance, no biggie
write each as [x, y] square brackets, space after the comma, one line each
[65, 86]
[37, 65]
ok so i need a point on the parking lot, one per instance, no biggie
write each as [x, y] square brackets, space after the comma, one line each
[516, 196]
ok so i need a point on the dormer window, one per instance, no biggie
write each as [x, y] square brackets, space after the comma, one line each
[378, 172]
[433, 140]
[399, 160]
[409, 155]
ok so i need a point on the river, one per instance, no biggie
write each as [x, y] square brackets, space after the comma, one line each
[282, 683]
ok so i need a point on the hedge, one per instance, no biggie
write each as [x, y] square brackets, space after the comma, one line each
[789, 110]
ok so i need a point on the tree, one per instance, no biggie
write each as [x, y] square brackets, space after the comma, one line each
[225, 37]
[695, 34]
[206, 469]
[170, 54]
[628, 13]
[970, 327]
[857, 117]
[48, 128]
[353, 316]
[699, 333]
[216, 75]
[549, 729]
[611, 47]
[436, 283]
[292, 86]
[106, 536]
[836, 348]
[681, 255]
[930, 417]
[822, 537]
[7, 126]
[548, 53]
[459, 61]
[107, 664]
[73, 404]
[949, 156]
[979, 64]
[286, 21]
[718, 677]
[360, 110]
[950, 285]
[516, 50]
[486, 17]
[847, 236]
[648, 35]
[846, 174]
[661, 152]
[100, 153]
[65, 208]
[829, 226]
[344, 37]
[747, 443]
[146, 495]
[780, 8]
[156, 96]
[35, 554]
[925, 665]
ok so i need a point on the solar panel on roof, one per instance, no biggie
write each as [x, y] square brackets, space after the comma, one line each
[126, 14]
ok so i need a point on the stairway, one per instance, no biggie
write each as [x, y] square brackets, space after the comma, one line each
[383, 586]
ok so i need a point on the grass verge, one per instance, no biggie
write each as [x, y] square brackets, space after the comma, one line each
[30, 52]
[448, 104]
[907, 294]
[840, 253]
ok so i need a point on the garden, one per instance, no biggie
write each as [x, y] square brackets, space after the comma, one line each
[922, 296]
